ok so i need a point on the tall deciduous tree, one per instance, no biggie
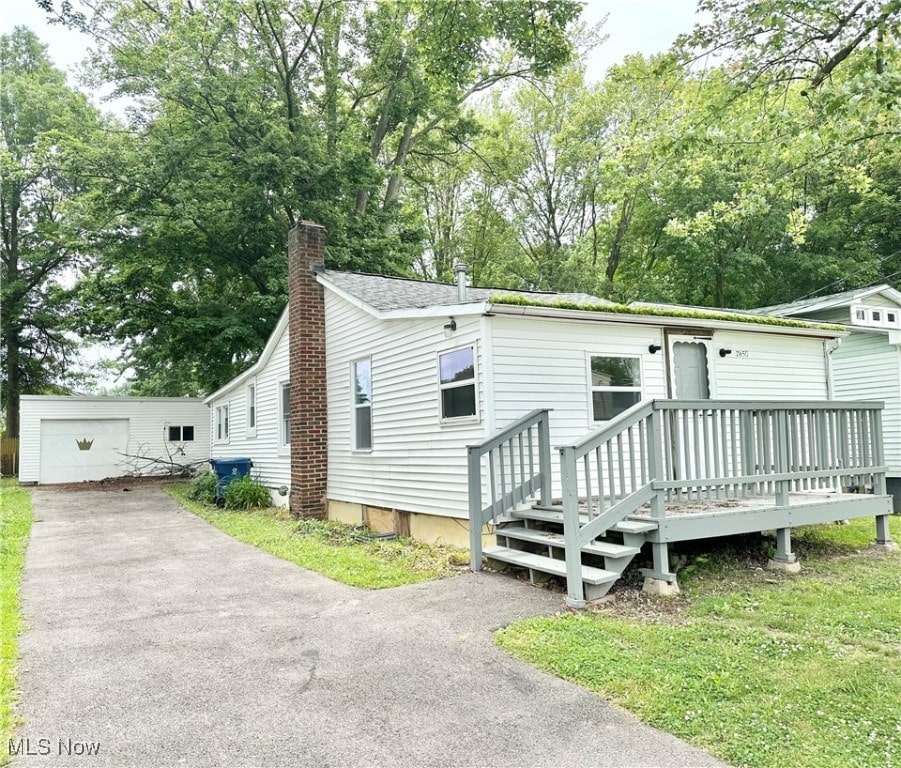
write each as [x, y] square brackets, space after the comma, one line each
[254, 114]
[44, 126]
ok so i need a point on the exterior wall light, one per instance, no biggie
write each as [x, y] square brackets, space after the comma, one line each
[724, 351]
[654, 348]
[450, 327]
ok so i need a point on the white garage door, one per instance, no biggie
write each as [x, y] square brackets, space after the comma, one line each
[73, 450]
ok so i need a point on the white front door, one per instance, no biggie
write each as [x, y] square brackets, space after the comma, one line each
[689, 369]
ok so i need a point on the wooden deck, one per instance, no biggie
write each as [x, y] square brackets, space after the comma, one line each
[677, 470]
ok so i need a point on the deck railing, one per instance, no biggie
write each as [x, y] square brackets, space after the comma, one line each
[517, 463]
[665, 451]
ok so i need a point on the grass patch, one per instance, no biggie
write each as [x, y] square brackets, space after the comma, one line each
[15, 526]
[758, 669]
[330, 548]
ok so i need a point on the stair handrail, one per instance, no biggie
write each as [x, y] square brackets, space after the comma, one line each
[638, 491]
[534, 473]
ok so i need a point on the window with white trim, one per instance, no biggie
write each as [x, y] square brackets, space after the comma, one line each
[457, 383]
[362, 404]
[615, 385]
[181, 434]
[252, 409]
[222, 422]
[284, 410]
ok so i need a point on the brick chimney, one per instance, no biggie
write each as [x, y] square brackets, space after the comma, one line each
[306, 343]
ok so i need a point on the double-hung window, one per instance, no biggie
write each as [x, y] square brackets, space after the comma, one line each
[222, 422]
[252, 409]
[615, 385]
[362, 404]
[284, 409]
[457, 383]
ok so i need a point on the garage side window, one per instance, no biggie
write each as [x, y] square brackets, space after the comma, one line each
[457, 371]
[285, 412]
[222, 422]
[615, 385]
[183, 434]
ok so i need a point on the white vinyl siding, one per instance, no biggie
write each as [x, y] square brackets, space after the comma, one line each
[148, 422]
[271, 460]
[867, 367]
[764, 366]
[415, 464]
[540, 363]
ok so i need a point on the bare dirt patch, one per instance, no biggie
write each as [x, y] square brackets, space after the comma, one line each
[117, 484]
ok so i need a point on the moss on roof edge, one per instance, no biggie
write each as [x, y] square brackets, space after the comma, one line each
[626, 309]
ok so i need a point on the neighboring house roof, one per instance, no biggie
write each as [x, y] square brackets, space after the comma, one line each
[820, 303]
[388, 293]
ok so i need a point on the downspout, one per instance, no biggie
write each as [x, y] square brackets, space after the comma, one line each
[829, 346]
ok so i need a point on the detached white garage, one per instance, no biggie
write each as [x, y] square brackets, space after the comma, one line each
[73, 439]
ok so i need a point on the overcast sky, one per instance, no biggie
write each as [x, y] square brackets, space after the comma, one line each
[633, 26]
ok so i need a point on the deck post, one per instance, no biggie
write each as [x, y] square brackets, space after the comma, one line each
[782, 462]
[656, 464]
[883, 535]
[575, 590]
[784, 559]
[544, 458]
[474, 473]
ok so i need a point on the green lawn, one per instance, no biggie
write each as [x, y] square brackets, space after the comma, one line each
[15, 525]
[757, 668]
[328, 548]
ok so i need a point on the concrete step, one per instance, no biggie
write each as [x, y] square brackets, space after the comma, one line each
[555, 515]
[548, 538]
[523, 559]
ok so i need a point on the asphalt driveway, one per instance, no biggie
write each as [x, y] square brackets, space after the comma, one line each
[168, 643]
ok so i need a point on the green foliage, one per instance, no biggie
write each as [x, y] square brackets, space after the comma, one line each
[662, 311]
[15, 527]
[330, 548]
[247, 493]
[203, 488]
[758, 670]
[46, 129]
[250, 115]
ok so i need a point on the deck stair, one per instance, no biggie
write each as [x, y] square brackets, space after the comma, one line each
[534, 540]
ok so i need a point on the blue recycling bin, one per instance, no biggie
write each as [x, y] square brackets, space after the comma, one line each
[227, 471]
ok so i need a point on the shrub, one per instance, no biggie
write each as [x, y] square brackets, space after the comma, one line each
[247, 493]
[203, 488]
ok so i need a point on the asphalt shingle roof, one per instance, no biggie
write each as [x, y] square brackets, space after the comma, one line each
[386, 293]
[818, 302]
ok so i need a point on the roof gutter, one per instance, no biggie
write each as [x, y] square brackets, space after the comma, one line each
[591, 316]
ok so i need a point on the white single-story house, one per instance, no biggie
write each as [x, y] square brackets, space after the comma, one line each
[408, 373]
[434, 409]
[70, 439]
[867, 363]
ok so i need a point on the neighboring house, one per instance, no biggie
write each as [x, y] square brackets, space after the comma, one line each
[74, 439]
[867, 363]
